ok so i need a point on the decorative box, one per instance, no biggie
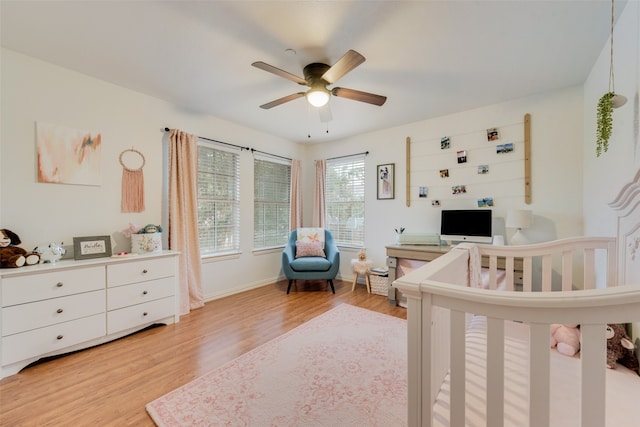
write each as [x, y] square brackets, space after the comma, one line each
[145, 243]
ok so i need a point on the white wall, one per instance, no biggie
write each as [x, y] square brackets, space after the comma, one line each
[35, 91]
[568, 184]
[556, 154]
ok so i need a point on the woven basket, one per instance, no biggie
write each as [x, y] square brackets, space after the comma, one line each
[379, 284]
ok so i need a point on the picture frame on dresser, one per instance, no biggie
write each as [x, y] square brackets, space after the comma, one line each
[91, 247]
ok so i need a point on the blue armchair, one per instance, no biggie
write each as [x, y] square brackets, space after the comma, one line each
[311, 268]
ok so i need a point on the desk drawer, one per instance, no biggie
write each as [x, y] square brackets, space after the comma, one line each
[133, 272]
[137, 315]
[52, 338]
[25, 317]
[138, 293]
[42, 286]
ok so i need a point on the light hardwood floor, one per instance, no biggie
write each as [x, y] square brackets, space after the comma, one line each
[109, 385]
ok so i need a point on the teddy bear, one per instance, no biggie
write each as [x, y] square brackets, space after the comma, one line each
[620, 348]
[566, 338]
[11, 255]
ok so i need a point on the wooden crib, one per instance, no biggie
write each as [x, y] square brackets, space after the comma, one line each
[447, 296]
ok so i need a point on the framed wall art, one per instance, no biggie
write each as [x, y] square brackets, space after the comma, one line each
[386, 181]
[91, 247]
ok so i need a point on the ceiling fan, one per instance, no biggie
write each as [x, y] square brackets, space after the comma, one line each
[317, 76]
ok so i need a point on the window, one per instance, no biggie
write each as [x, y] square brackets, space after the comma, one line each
[218, 200]
[345, 200]
[271, 201]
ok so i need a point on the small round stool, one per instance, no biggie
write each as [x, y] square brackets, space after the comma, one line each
[361, 267]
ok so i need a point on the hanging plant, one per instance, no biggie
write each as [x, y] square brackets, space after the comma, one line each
[606, 104]
[605, 123]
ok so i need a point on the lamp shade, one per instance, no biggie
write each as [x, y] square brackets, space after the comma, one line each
[518, 218]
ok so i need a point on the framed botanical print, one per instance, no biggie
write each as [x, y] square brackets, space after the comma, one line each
[386, 181]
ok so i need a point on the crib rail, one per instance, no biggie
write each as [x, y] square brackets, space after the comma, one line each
[437, 341]
[565, 253]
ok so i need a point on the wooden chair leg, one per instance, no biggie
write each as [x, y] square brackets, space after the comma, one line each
[331, 284]
[289, 287]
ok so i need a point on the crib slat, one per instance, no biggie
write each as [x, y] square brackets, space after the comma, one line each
[593, 357]
[589, 268]
[495, 372]
[547, 273]
[458, 370]
[509, 273]
[493, 271]
[526, 273]
[539, 375]
[567, 270]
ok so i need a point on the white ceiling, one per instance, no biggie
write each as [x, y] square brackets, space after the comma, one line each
[430, 58]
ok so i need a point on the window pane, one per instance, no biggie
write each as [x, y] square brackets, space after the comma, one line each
[218, 200]
[345, 200]
[272, 188]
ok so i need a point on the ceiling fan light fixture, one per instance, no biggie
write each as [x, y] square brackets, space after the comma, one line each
[318, 96]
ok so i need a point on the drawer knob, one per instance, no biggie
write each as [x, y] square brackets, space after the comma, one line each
[59, 310]
[145, 314]
[145, 271]
[145, 292]
[59, 284]
[59, 337]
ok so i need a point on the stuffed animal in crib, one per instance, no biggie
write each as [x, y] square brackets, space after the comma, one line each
[620, 348]
[11, 255]
[566, 338]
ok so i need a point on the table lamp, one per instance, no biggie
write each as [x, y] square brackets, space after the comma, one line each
[518, 219]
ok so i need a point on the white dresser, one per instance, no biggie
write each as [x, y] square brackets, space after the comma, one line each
[50, 309]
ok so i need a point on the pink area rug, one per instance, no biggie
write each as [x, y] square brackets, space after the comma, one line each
[346, 367]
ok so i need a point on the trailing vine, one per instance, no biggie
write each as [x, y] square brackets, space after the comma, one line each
[605, 123]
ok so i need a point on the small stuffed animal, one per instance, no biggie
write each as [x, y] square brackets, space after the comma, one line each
[150, 228]
[620, 349]
[11, 255]
[566, 338]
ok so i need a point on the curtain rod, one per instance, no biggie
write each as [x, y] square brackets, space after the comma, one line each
[253, 150]
[348, 155]
[218, 142]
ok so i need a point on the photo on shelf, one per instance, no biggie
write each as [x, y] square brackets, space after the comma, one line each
[423, 192]
[444, 173]
[482, 169]
[458, 189]
[462, 156]
[445, 142]
[485, 202]
[504, 148]
[492, 134]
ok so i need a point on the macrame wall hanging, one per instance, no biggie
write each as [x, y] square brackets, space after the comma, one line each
[132, 183]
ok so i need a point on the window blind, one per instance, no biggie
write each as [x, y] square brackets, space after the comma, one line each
[345, 178]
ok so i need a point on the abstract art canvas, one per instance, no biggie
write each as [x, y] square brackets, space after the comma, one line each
[68, 156]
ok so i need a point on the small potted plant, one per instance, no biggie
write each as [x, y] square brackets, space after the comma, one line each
[606, 104]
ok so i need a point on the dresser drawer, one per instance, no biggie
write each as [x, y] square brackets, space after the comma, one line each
[52, 338]
[25, 317]
[138, 293]
[133, 272]
[53, 284]
[137, 315]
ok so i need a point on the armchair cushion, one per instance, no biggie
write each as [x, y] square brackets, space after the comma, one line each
[312, 249]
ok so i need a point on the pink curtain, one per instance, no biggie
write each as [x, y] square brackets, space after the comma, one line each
[319, 202]
[295, 218]
[183, 217]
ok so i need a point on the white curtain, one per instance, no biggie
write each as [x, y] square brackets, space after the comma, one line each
[183, 217]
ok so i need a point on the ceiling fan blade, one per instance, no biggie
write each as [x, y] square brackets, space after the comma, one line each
[348, 62]
[356, 95]
[325, 113]
[279, 72]
[282, 100]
